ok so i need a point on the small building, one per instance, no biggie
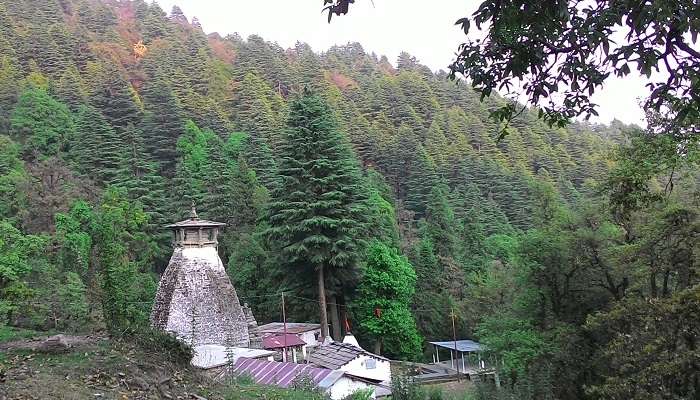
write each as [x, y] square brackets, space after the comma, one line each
[285, 344]
[195, 299]
[212, 356]
[464, 355]
[353, 360]
[310, 333]
[337, 384]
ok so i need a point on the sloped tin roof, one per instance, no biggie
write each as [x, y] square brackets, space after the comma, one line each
[194, 222]
[463, 346]
[277, 341]
[334, 355]
[292, 327]
[282, 374]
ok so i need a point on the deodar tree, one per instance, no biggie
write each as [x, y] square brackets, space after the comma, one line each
[317, 214]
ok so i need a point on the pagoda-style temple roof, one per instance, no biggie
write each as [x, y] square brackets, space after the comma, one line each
[194, 221]
[189, 223]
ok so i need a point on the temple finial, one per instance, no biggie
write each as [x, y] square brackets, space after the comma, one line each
[193, 212]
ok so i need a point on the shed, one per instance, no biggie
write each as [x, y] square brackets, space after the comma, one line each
[306, 331]
[469, 350]
[284, 343]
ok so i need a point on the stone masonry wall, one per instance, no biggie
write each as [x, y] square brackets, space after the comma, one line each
[197, 302]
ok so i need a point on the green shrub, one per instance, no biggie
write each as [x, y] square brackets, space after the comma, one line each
[153, 340]
[361, 394]
[403, 388]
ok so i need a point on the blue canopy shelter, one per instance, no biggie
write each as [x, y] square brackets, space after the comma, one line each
[460, 347]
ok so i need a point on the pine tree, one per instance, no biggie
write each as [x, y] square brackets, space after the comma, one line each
[440, 223]
[317, 214]
[9, 75]
[70, 88]
[419, 181]
[162, 124]
[138, 175]
[98, 149]
[114, 97]
[259, 157]
[154, 23]
[254, 110]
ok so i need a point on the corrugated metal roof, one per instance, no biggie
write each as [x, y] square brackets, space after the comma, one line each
[292, 327]
[277, 341]
[282, 374]
[463, 346]
[334, 355]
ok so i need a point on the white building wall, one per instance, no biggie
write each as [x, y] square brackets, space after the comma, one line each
[358, 367]
[310, 338]
[344, 387]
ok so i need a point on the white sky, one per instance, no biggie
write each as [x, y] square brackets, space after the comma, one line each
[425, 29]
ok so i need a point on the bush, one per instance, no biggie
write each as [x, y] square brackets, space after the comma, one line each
[153, 340]
[403, 388]
[361, 394]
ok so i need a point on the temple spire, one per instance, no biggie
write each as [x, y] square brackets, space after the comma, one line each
[193, 211]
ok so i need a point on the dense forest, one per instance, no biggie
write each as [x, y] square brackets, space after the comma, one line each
[382, 183]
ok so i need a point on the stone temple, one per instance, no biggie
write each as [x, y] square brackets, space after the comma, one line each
[196, 300]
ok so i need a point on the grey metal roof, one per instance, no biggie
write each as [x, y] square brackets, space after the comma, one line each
[464, 345]
[194, 222]
[334, 355]
[292, 327]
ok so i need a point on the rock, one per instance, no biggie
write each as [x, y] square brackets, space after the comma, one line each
[140, 383]
[54, 345]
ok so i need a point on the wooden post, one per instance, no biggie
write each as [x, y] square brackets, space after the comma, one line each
[454, 337]
[284, 323]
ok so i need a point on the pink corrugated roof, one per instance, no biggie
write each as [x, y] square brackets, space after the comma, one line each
[278, 341]
[283, 373]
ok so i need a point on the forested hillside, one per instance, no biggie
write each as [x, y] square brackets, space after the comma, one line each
[115, 117]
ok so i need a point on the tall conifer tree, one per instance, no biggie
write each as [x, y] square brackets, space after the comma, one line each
[317, 214]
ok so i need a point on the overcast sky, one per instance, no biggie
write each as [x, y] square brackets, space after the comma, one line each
[425, 29]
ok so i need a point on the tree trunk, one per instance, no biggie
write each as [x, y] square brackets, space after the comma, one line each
[343, 314]
[322, 303]
[335, 321]
[378, 346]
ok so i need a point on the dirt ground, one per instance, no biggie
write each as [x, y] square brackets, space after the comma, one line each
[95, 368]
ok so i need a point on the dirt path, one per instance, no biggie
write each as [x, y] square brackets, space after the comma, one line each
[72, 341]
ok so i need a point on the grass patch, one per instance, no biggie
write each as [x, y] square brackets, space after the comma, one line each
[9, 333]
[247, 392]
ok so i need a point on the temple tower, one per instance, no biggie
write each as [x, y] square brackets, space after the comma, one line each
[196, 300]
